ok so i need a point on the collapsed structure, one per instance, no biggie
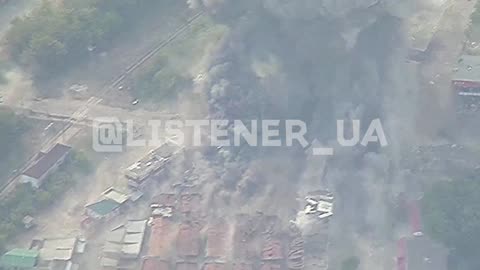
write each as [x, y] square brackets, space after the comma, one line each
[150, 165]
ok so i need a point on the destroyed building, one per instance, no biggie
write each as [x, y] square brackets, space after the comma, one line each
[150, 165]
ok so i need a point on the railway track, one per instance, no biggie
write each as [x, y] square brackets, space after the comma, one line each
[80, 114]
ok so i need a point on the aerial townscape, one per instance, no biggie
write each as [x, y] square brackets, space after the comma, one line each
[239, 135]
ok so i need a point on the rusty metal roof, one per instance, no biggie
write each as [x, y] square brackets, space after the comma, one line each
[188, 241]
[217, 234]
[187, 266]
[270, 266]
[215, 266]
[152, 263]
[242, 266]
[161, 236]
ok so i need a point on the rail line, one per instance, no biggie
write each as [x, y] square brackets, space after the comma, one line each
[81, 113]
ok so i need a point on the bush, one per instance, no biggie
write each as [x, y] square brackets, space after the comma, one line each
[27, 201]
[351, 263]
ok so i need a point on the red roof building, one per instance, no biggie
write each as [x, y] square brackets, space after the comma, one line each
[272, 250]
[187, 266]
[215, 266]
[161, 236]
[217, 242]
[188, 241]
[151, 263]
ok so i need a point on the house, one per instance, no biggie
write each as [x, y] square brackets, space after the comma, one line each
[103, 209]
[45, 164]
[108, 205]
[125, 241]
[19, 259]
[466, 76]
[115, 195]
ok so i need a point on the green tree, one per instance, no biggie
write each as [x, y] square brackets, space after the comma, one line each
[451, 212]
[351, 263]
[10, 128]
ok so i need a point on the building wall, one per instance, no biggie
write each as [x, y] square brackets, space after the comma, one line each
[25, 179]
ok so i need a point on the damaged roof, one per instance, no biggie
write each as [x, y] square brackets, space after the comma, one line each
[165, 199]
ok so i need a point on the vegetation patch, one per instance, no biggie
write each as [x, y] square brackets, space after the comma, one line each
[55, 36]
[12, 129]
[171, 70]
[451, 212]
[27, 201]
[351, 263]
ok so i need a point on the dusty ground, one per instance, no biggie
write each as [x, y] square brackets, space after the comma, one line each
[438, 100]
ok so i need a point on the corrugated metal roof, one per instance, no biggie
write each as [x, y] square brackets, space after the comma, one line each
[21, 258]
[133, 238]
[103, 207]
[215, 266]
[217, 241]
[58, 249]
[46, 162]
[270, 266]
[161, 237]
[115, 195]
[188, 241]
[136, 226]
[272, 250]
[242, 266]
[187, 266]
[150, 263]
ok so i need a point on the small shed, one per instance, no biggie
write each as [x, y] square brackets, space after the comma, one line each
[19, 259]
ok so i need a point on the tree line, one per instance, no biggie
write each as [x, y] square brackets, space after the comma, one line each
[25, 200]
[55, 36]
